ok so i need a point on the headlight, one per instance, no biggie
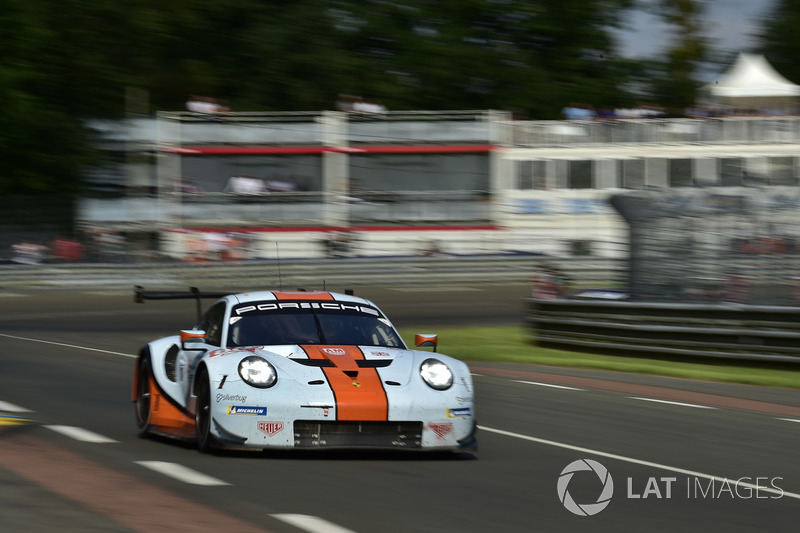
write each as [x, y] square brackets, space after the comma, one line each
[258, 372]
[436, 374]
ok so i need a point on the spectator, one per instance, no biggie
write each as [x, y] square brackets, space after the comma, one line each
[358, 105]
[578, 112]
[66, 250]
[246, 185]
[28, 253]
[205, 105]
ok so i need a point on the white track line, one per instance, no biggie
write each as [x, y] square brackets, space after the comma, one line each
[546, 385]
[790, 419]
[438, 289]
[311, 523]
[638, 461]
[11, 408]
[182, 473]
[83, 435]
[681, 404]
[67, 345]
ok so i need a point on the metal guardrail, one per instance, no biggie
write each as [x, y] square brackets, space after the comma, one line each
[744, 332]
[330, 127]
[334, 274]
[717, 130]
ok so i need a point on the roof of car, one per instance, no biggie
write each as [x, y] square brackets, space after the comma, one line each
[260, 296]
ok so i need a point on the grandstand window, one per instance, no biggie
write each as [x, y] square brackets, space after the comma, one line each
[525, 174]
[656, 172]
[731, 171]
[705, 172]
[633, 173]
[782, 171]
[606, 173]
[580, 174]
[680, 173]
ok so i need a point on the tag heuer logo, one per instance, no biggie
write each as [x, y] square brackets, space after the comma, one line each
[270, 428]
[334, 351]
[441, 429]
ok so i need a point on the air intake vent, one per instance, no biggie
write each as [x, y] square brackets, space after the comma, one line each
[327, 363]
[331, 434]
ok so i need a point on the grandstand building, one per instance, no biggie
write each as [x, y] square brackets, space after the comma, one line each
[394, 183]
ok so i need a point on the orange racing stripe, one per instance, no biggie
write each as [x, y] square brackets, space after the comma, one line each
[358, 391]
[302, 295]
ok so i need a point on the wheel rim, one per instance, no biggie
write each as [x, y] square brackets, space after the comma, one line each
[203, 417]
[143, 397]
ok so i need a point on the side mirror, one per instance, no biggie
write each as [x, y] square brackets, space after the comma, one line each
[426, 339]
[193, 340]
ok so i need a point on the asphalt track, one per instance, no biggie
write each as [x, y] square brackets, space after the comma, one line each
[682, 455]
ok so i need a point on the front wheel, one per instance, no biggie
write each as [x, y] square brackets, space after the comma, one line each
[143, 395]
[202, 416]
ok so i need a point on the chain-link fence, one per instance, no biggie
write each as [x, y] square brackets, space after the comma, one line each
[737, 245]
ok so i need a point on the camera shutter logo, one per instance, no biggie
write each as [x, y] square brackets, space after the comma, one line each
[587, 509]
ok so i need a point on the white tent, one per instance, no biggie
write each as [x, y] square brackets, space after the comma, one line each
[753, 83]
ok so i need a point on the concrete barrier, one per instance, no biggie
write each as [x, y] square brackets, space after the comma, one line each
[312, 274]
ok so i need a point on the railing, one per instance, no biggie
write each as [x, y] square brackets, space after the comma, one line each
[736, 332]
[431, 127]
[369, 207]
[335, 273]
[729, 130]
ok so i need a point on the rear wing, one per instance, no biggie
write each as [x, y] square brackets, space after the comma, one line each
[140, 295]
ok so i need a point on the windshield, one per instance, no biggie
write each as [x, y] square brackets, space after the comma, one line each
[298, 323]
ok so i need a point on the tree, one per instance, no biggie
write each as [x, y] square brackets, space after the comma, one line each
[676, 84]
[65, 61]
[778, 38]
[530, 55]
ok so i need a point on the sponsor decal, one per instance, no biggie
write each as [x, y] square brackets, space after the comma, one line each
[325, 408]
[459, 412]
[231, 398]
[356, 384]
[380, 354]
[463, 399]
[228, 351]
[270, 428]
[441, 429]
[246, 410]
[334, 351]
[330, 306]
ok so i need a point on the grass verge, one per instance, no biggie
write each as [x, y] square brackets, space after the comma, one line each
[514, 345]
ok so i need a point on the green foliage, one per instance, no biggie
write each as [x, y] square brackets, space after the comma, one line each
[675, 84]
[68, 60]
[778, 38]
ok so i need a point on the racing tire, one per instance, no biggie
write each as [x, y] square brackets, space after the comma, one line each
[143, 397]
[202, 416]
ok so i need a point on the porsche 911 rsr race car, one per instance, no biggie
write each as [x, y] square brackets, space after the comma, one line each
[276, 369]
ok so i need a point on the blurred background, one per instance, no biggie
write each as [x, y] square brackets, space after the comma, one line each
[138, 132]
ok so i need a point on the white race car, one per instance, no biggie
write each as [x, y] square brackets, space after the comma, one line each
[277, 369]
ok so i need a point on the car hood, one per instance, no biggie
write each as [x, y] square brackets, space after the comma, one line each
[394, 364]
